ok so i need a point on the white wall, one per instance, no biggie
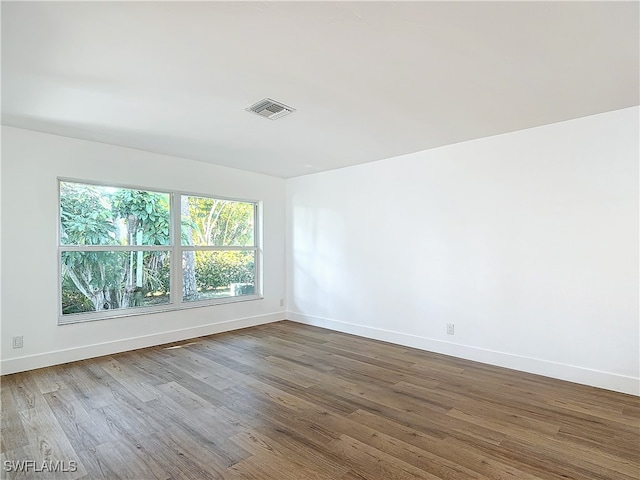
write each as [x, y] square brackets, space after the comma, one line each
[31, 163]
[527, 242]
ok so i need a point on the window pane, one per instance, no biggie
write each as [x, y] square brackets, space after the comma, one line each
[98, 281]
[215, 222]
[208, 275]
[96, 215]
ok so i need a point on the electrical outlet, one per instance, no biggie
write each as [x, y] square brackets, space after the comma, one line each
[17, 342]
[450, 327]
[282, 302]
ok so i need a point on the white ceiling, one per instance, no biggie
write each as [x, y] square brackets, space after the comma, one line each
[369, 80]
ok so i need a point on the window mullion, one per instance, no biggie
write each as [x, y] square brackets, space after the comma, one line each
[214, 248]
[176, 242]
[114, 248]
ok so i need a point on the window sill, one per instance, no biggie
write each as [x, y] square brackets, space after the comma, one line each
[134, 312]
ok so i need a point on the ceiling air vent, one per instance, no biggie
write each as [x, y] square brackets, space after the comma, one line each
[270, 109]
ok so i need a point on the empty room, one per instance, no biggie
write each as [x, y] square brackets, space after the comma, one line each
[320, 240]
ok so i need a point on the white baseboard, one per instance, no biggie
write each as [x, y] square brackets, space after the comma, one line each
[585, 376]
[31, 362]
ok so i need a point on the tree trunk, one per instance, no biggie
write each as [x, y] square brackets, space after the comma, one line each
[98, 299]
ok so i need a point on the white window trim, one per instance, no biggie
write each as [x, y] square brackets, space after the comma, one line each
[175, 248]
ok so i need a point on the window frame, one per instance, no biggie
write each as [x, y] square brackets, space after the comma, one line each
[175, 249]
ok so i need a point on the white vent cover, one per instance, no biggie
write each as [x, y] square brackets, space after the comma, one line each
[270, 109]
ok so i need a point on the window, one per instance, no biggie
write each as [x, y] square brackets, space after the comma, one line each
[218, 248]
[125, 250]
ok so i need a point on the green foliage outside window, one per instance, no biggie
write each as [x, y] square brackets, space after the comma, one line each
[220, 269]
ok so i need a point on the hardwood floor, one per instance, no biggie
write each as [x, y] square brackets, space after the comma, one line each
[287, 401]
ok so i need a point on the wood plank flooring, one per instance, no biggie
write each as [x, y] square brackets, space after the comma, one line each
[288, 401]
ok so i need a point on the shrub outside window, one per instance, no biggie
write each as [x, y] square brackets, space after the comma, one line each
[125, 251]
